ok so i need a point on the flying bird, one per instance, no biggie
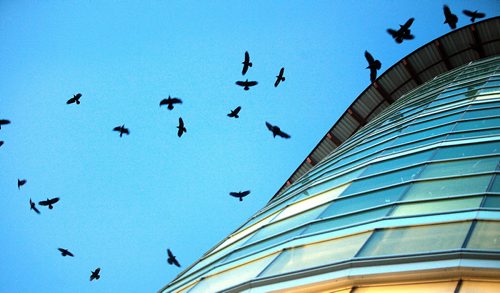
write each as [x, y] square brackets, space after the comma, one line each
[49, 202]
[246, 63]
[33, 207]
[171, 259]
[473, 14]
[279, 77]
[65, 252]
[246, 84]
[403, 33]
[20, 182]
[450, 18]
[234, 113]
[75, 99]
[181, 127]
[170, 102]
[240, 194]
[95, 274]
[1, 142]
[276, 131]
[4, 122]
[122, 130]
[373, 65]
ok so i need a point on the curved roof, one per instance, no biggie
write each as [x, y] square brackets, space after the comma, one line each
[457, 48]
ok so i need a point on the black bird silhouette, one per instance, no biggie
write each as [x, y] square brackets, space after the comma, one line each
[20, 182]
[403, 33]
[4, 122]
[246, 63]
[170, 102]
[240, 194]
[122, 130]
[246, 84]
[473, 14]
[171, 259]
[1, 142]
[373, 65]
[49, 202]
[450, 18]
[181, 128]
[276, 131]
[279, 77]
[75, 99]
[65, 252]
[234, 113]
[95, 274]
[33, 207]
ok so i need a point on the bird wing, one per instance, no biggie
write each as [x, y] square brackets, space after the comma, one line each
[269, 126]
[251, 83]
[392, 32]
[53, 200]
[237, 110]
[408, 23]
[62, 250]
[126, 131]
[170, 254]
[247, 57]
[176, 262]
[181, 123]
[235, 194]
[97, 271]
[373, 74]
[36, 210]
[163, 102]
[369, 57]
[447, 11]
[408, 36]
[176, 101]
[71, 101]
[78, 95]
[241, 83]
[4, 121]
[480, 15]
[282, 71]
[245, 193]
[468, 13]
[69, 253]
[117, 128]
[43, 202]
[283, 134]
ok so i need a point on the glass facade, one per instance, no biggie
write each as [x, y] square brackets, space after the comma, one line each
[421, 179]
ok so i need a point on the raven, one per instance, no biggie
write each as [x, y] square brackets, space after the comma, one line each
[181, 127]
[403, 33]
[246, 63]
[65, 252]
[20, 182]
[276, 131]
[95, 274]
[373, 65]
[234, 113]
[49, 202]
[33, 207]
[240, 194]
[450, 18]
[75, 99]
[279, 77]
[170, 102]
[122, 130]
[246, 84]
[473, 14]
[171, 259]
[3, 122]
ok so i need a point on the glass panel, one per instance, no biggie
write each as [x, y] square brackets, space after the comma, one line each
[286, 224]
[482, 113]
[382, 180]
[335, 182]
[488, 96]
[479, 287]
[351, 219]
[495, 186]
[417, 239]
[492, 201]
[441, 287]
[415, 144]
[448, 187]
[364, 201]
[439, 206]
[433, 122]
[477, 124]
[460, 167]
[398, 162]
[476, 133]
[317, 254]
[486, 236]
[465, 96]
[484, 105]
[468, 150]
[232, 277]
[424, 134]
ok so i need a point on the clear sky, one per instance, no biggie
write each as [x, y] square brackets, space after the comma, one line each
[124, 201]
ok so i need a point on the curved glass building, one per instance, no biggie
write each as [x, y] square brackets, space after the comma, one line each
[401, 195]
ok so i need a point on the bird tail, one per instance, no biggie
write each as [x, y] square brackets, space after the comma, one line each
[241, 198]
[250, 64]
[236, 116]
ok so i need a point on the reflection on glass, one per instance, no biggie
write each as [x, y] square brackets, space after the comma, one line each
[482, 113]
[383, 180]
[468, 150]
[440, 206]
[398, 162]
[433, 122]
[475, 133]
[233, 276]
[478, 124]
[434, 287]
[419, 239]
[424, 134]
[351, 219]
[479, 287]
[492, 201]
[486, 236]
[461, 167]
[495, 186]
[448, 187]
[317, 254]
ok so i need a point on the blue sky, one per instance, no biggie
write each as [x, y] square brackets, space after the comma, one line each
[124, 201]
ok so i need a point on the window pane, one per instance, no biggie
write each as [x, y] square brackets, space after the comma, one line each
[382, 180]
[460, 167]
[448, 187]
[495, 187]
[477, 133]
[415, 144]
[468, 150]
[477, 124]
[398, 162]
[318, 254]
[364, 201]
[479, 287]
[433, 122]
[486, 236]
[424, 134]
[232, 277]
[492, 201]
[350, 219]
[417, 239]
[440, 287]
[482, 113]
[439, 206]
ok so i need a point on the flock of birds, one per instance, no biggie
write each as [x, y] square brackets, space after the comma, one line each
[399, 35]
